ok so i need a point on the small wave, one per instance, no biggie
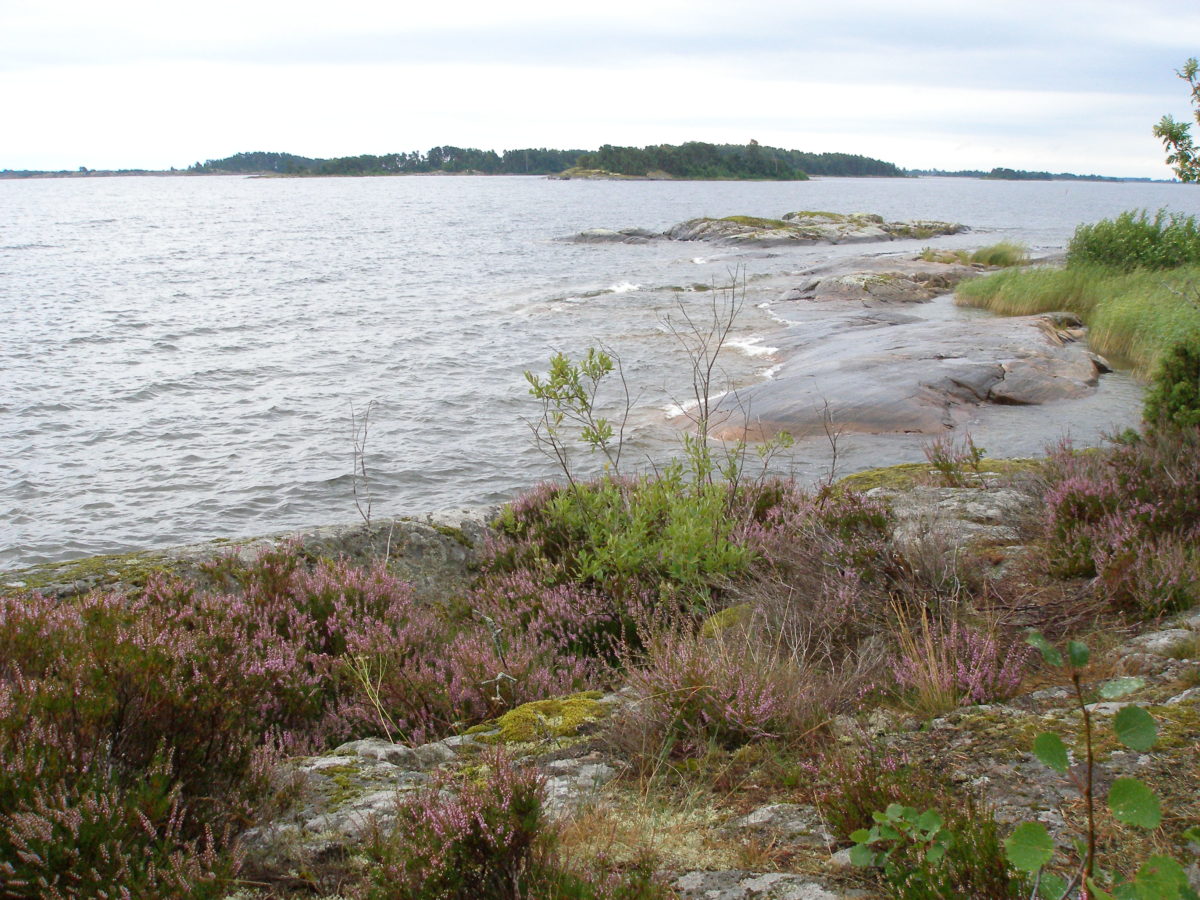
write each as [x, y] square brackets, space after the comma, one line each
[624, 287]
[699, 260]
[753, 347]
[28, 247]
[675, 410]
[770, 373]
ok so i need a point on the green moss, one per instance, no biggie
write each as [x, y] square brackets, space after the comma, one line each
[834, 218]
[908, 475]
[725, 619]
[541, 719]
[756, 222]
[131, 569]
[456, 534]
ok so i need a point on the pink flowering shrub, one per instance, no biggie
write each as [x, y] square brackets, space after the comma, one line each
[693, 694]
[953, 665]
[488, 837]
[1129, 516]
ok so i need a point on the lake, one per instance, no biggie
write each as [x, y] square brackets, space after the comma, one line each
[180, 355]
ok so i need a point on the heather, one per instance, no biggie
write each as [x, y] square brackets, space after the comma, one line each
[769, 644]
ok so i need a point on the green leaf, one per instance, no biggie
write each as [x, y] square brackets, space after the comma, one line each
[1029, 847]
[1052, 887]
[930, 821]
[1192, 834]
[1078, 654]
[1135, 728]
[862, 855]
[1119, 687]
[1049, 654]
[1159, 877]
[1050, 749]
[1095, 892]
[934, 854]
[1134, 804]
[861, 836]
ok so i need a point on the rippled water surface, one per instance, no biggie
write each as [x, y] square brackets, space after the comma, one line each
[179, 355]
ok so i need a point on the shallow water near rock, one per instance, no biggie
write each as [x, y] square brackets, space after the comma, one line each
[180, 355]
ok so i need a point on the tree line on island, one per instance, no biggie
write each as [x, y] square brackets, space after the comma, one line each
[694, 159]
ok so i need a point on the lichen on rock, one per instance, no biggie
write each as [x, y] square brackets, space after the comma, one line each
[559, 717]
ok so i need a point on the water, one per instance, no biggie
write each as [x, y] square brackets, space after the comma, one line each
[179, 355]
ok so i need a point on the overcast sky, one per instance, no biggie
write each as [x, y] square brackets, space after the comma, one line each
[1060, 85]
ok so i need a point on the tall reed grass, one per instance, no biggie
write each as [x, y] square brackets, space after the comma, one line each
[1133, 317]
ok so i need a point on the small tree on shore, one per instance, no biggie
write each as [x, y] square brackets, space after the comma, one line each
[1182, 154]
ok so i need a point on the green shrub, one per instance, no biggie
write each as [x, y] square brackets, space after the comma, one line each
[1173, 398]
[1134, 240]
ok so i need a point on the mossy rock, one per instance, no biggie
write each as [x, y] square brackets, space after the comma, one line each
[559, 717]
[909, 475]
[125, 571]
[730, 617]
[757, 222]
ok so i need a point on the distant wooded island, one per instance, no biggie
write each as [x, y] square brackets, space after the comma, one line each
[692, 160]
[1003, 174]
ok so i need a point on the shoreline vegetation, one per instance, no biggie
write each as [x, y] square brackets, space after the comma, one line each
[694, 160]
[1132, 280]
[654, 686]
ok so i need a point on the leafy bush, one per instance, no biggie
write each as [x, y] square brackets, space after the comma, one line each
[855, 789]
[1134, 240]
[1173, 398]
[668, 533]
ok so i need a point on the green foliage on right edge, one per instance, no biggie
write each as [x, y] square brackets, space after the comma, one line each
[1182, 155]
[1173, 398]
[1031, 849]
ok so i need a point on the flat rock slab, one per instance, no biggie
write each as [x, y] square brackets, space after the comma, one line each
[740, 885]
[793, 822]
[880, 372]
[958, 516]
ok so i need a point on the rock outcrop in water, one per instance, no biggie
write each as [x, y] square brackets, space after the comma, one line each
[793, 229]
[857, 352]
[886, 372]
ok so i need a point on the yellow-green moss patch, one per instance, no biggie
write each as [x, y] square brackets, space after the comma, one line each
[132, 569]
[730, 617]
[908, 475]
[541, 719]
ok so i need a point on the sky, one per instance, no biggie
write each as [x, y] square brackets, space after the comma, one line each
[1057, 85]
